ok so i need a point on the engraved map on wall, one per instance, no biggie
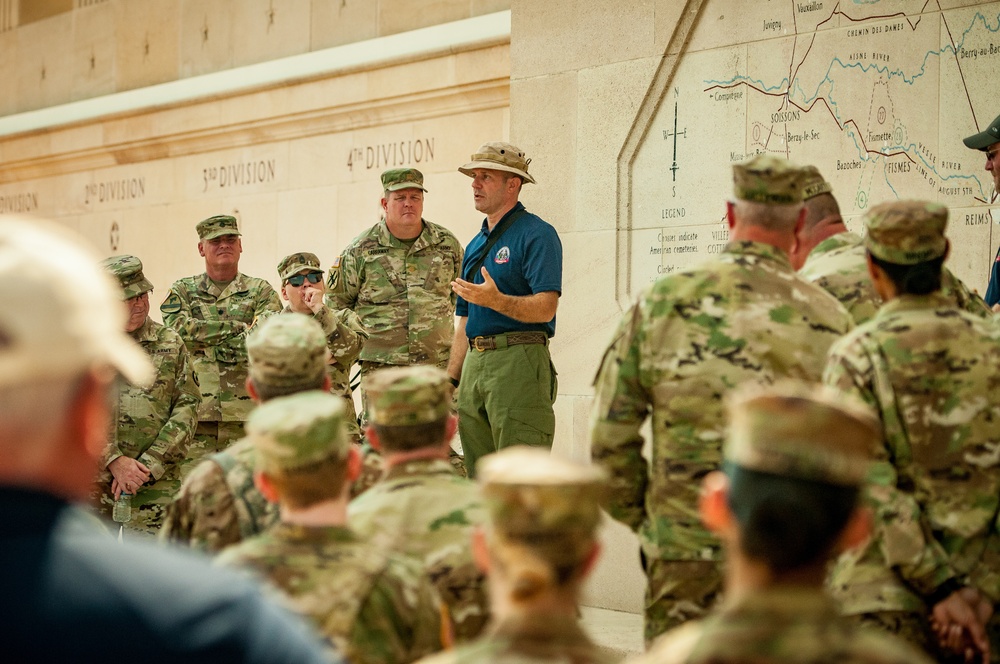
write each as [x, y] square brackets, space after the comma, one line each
[878, 94]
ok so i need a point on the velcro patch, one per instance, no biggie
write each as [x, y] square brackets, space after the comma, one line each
[171, 305]
[336, 263]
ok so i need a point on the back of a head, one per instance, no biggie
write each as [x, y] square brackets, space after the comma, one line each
[907, 240]
[287, 354]
[817, 196]
[300, 443]
[409, 407]
[768, 193]
[543, 517]
[796, 456]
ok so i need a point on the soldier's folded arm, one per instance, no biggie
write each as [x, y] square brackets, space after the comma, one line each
[178, 316]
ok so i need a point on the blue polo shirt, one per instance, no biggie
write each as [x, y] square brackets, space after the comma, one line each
[527, 259]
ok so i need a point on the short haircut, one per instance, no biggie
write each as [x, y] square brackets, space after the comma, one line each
[405, 438]
[919, 279]
[773, 217]
[818, 208]
[311, 484]
[785, 522]
[266, 392]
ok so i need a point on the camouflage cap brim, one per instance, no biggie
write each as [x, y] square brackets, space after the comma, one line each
[137, 289]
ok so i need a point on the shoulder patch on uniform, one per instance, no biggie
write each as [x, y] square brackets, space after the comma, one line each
[171, 305]
[336, 263]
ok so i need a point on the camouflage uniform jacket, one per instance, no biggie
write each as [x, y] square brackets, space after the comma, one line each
[932, 372]
[401, 293]
[377, 608]
[779, 626]
[430, 512]
[531, 639]
[155, 424]
[838, 265]
[213, 324]
[218, 504]
[689, 339]
[344, 337]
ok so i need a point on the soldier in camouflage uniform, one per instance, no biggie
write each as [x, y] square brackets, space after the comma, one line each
[688, 340]
[154, 425]
[218, 504]
[213, 312]
[397, 277]
[538, 546]
[422, 506]
[794, 463]
[376, 607]
[829, 255]
[302, 287]
[932, 372]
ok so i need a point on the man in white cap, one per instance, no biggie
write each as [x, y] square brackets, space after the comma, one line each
[507, 296]
[70, 592]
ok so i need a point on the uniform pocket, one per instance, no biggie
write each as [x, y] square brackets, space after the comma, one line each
[530, 426]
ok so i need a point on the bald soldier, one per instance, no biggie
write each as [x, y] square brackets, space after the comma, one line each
[538, 547]
[829, 255]
[421, 506]
[154, 426]
[302, 287]
[785, 502]
[744, 317]
[375, 607]
[212, 312]
[930, 371]
[397, 277]
[218, 504]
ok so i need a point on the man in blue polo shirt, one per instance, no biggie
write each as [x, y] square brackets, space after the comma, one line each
[988, 142]
[507, 299]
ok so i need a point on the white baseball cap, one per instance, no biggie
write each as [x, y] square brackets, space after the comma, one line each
[60, 313]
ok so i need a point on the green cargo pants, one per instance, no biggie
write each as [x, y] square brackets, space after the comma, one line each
[505, 399]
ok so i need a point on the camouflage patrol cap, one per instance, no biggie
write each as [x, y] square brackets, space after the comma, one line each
[217, 226]
[533, 496]
[813, 183]
[768, 179]
[906, 232]
[985, 138]
[287, 350]
[294, 431]
[295, 263]
[128, 271]
[499, 157]
[403, 396]
[402, 178]
[801, 430]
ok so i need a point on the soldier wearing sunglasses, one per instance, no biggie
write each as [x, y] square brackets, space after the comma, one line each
[302, 287]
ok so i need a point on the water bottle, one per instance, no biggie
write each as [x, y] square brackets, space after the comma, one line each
[122, 512]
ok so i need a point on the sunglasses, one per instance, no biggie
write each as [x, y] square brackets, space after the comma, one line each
[991, 155]
[299, 279]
